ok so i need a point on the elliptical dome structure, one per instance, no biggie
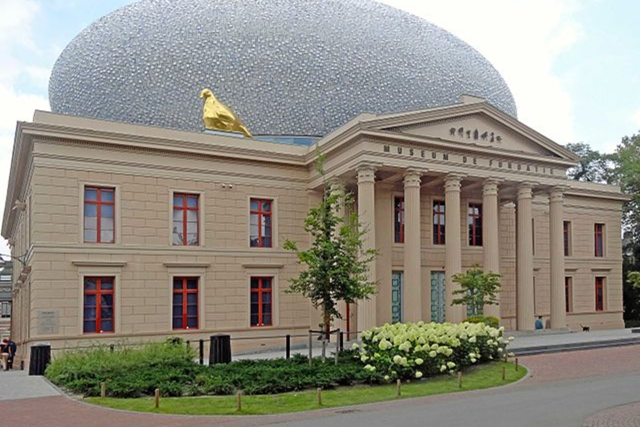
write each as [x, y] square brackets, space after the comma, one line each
[287, 67]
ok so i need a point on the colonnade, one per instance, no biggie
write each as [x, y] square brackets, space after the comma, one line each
[413, 280]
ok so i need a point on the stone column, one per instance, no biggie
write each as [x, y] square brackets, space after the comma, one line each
[524, 259]
[367, 218]
[412, 292]
[315, 314]
[556, 245]
[491, 248]
[453, 246]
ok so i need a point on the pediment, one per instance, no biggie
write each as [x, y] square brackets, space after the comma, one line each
[481, 128]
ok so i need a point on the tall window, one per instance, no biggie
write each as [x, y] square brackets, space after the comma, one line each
[598, 238]
[566, 225]
[261, 223]
[185, 220]
[568, 294]
[599, 293]
[399, 219]
[99, 206]
[438, 222]
[261, 301]
[98, 304]
[474, 222]
[185, 303]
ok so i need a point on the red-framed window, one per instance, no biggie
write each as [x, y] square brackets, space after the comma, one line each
[566, 229]
[99, 214]
[438, 222]
[598, 240]
[599, 293]
[261, 226]
[568, 294]
[185, 302]
[398, 219]
[186, 219]
[261, 301]
[474, 222]
[99, 294]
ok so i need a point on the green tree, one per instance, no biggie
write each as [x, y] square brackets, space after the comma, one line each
[337, 263]
[626, 173]
[477, 289]
[593, 166]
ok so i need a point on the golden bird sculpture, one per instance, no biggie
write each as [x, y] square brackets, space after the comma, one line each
[217, 116]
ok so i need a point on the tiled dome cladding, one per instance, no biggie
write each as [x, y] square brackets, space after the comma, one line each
[285, 66]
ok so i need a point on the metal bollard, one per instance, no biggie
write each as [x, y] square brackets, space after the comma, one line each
[341, 341]
[288, 346]
[201, 352]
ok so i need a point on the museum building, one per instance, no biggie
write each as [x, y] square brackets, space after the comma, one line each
[132, 220]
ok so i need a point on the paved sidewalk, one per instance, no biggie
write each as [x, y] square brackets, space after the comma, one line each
[547, 341]
[16, 385]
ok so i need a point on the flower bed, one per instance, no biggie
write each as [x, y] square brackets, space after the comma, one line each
[414, 350]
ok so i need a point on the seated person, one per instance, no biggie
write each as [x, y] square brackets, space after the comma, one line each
[539, 323]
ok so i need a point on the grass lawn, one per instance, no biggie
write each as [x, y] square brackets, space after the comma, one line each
[474, 379]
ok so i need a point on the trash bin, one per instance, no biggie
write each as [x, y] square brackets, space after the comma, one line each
[40, 358]
[220, 349]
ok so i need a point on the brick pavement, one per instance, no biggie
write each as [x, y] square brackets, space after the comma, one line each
[581, 364]
[619, 416]
[61, 411]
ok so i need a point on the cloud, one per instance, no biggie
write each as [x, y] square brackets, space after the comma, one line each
[522, 39]
[17, 18]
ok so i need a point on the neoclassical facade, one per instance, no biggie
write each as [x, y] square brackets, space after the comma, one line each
[137, 233]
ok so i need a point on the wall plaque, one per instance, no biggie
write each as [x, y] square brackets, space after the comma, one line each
[48, 322]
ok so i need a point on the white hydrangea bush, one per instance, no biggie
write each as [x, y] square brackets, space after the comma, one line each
[414, 350]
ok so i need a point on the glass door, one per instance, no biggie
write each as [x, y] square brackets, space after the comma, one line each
[437, 296]
[396, 296]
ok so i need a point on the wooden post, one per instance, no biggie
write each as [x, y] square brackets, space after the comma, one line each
[516, 363]
[157, 398]
[459, 379]
[239, 401]
[319, 396]
[103, 389]
[504, 372]
[398, 389]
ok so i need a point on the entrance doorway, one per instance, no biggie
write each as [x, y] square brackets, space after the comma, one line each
[437, 296]
[396, 296]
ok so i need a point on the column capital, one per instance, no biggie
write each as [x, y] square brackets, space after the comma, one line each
[490, 186]
[366, 172]
[412, 178]
[453, 181]
[525, 190]
[556, 194]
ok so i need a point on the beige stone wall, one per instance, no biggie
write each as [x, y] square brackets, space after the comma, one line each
[143, 260]
[146, 166]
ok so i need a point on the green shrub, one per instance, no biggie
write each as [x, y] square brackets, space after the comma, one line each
[128, 372]
[494, 322]
[169, 366]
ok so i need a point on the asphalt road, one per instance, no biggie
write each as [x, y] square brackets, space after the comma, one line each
[562, 403]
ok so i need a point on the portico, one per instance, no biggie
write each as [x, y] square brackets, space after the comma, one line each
[436, 197]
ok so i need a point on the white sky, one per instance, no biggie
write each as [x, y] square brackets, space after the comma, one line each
[547, 51]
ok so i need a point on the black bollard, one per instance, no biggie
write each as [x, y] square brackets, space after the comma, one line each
[288, 346]
[201, 352]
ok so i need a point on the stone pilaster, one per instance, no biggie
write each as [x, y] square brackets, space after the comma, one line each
[524, 258]
[337, 188]
[412, 292]
[453, 246]
[556, 246]
[367, 218]
[491, 248]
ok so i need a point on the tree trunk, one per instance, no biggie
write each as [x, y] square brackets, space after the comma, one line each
[327, 324]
